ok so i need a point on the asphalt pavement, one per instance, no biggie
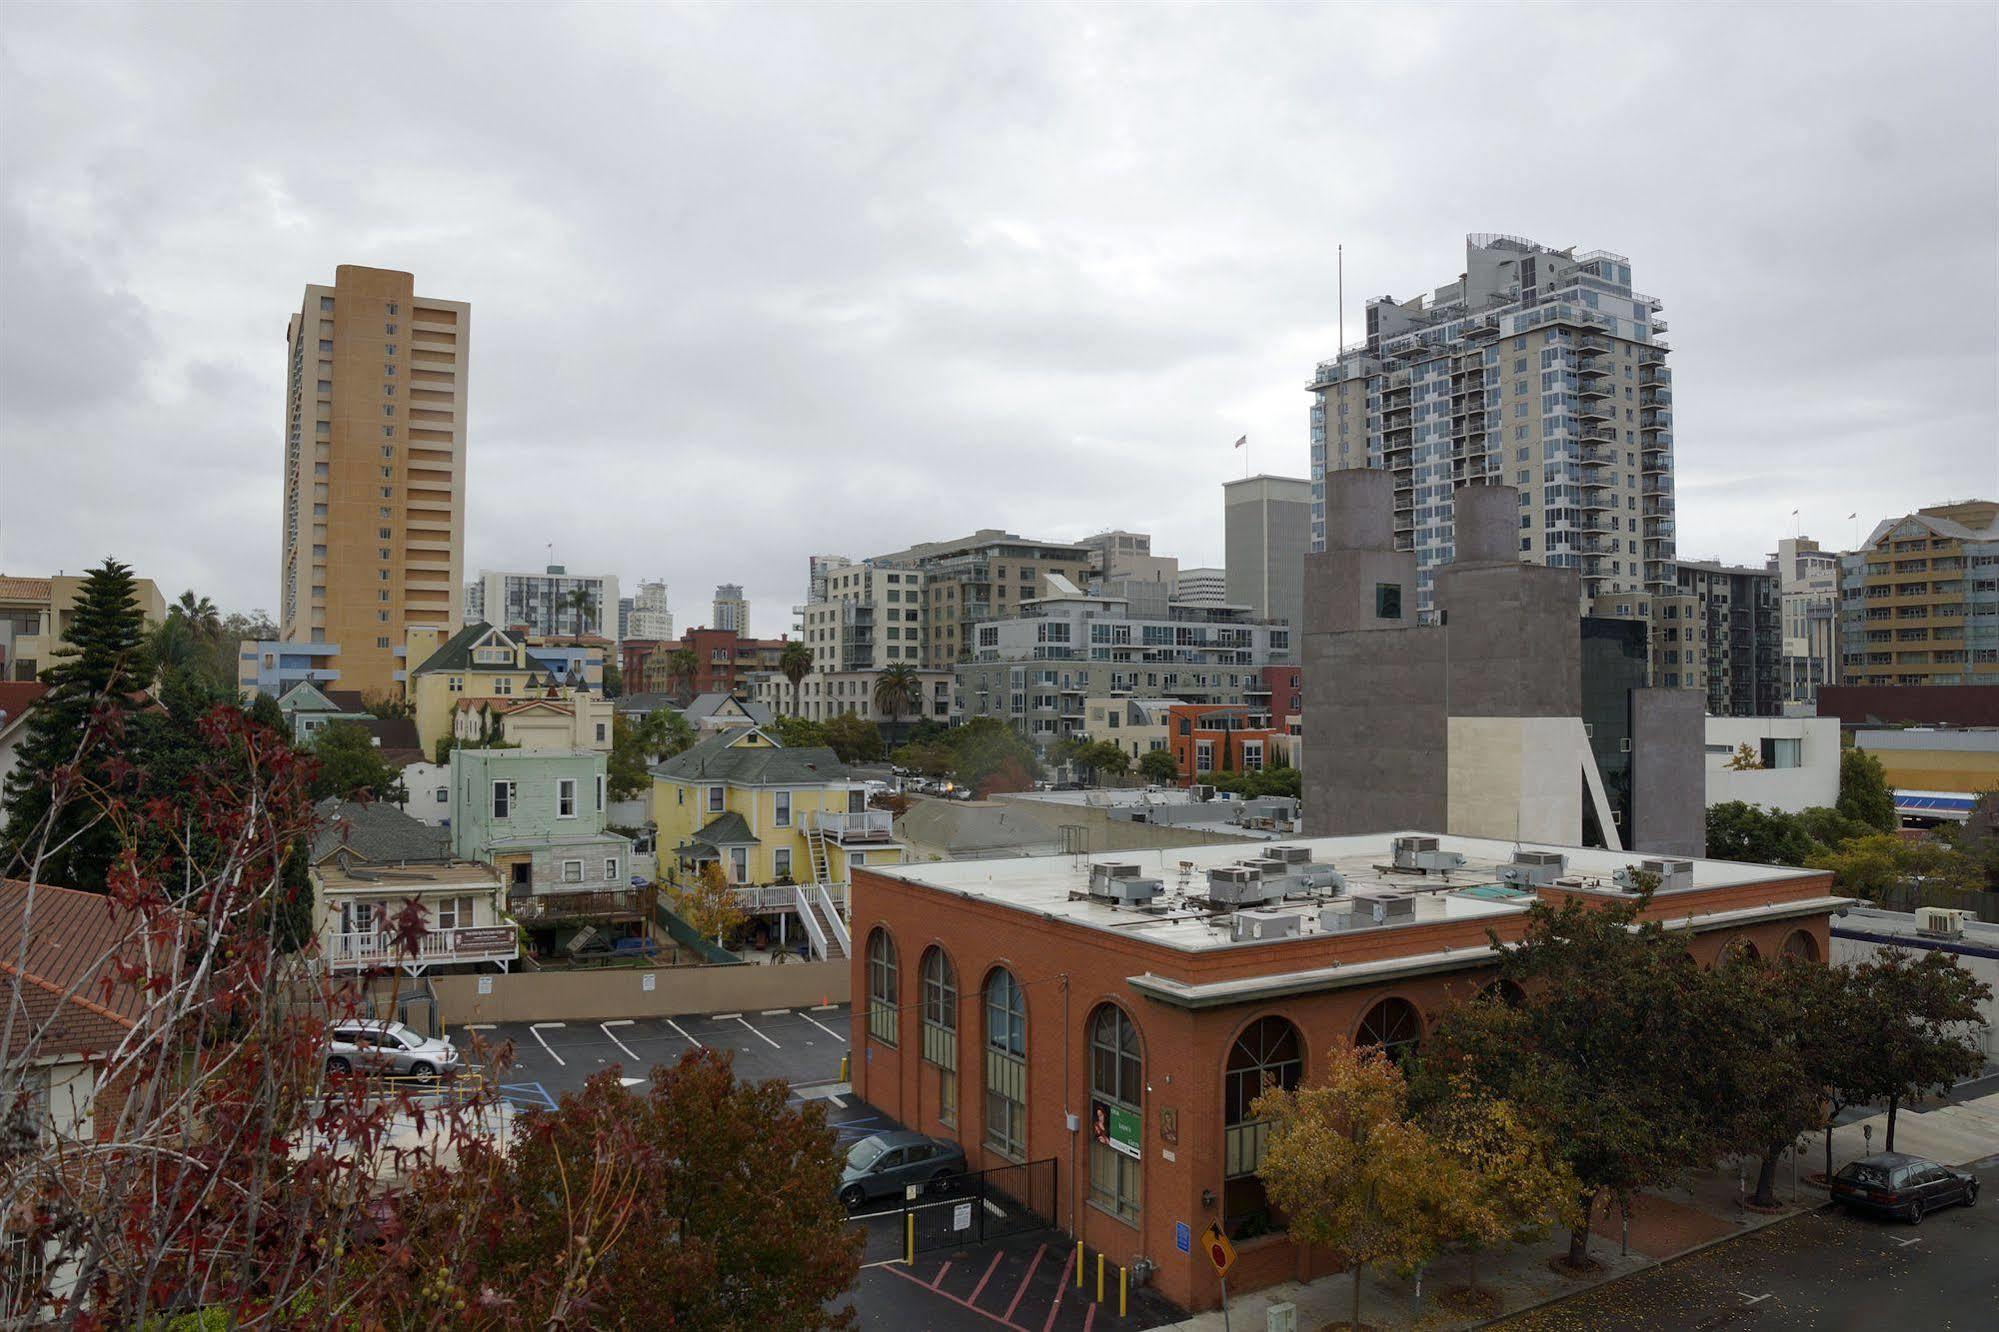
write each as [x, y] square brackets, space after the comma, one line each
[1824, 1270]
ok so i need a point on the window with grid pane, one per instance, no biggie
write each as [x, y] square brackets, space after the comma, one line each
[882, 982]
[1006, 1065]
[1268, 1055]
[940, 1029]
[1116, 1076]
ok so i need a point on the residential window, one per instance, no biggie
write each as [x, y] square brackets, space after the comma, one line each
[883, 984]
[715, 798]
[600, 734]
[443, 795]
[572, 871]
[610, 869]
[503, 800]
[503, 685]
[739, 864]
[780, 862]
[782, 817]
[455, 684]
[454, 913]
[1116, 1113]
[600, 792]
[1006, 1065]
[1267, 1056]
[565, 798]
[940, 1029]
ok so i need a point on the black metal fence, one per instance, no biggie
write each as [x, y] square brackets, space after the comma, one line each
[984, 1205]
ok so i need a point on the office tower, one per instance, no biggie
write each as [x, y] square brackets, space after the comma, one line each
[1536, 368]
[551, 603]
[652, 617]
[1808, 583]
[1267, 530]
[1128, 555]
[1919, 601]
[374, 470]
[625, 605]
[1201, 587]
[731, 611]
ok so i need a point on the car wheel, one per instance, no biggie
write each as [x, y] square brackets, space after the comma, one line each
[337, 1065]
[1915, 1214]
[1971, 1193]
[942, 1182]
[422, 1071]
[853, 1196]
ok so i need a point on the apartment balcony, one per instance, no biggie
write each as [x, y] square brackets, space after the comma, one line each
[1655, 376]
[857, 826]
[1655, 420]
[1591, 387]
[1655, 397]
[1597, 454]
[548, 906]
[1596, 500]
[1592, 345]
[1597, 410]
[1654, 462]
[478, 943]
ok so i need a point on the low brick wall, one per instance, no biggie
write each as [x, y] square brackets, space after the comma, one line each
[592, 996]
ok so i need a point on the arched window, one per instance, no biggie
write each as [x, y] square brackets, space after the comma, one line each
[1268, 1055]
[1736, 952]
[940, 1029]
[1505, 992]
[1802, 946]
[1117, 1111]
[1006, 1065]
[1394, 1025]
[883, 983]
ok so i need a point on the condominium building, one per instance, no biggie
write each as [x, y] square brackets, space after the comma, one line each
[374, 470]
[1118, 554]
[870, 618]
[1201, 587]
[731, 610]
[35, 614]
[984, 576]
[1808, 586]
[819, 568]
[652, 615]
[1267, 525]
[1919, 601]
[1737, 613]
[1039, 669]
[1536, 368]
[551, 602]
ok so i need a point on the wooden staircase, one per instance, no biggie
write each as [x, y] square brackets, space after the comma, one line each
[834, 951]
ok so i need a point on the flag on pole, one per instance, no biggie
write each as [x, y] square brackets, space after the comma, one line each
[1244, 440]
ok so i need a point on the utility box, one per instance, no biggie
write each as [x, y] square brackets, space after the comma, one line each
[1383, 908]
[1235, 885]
[1281, 1317]
[1672, 874]
[1424, 855]
[1534, 869]
[1121, 883]
[1256, 925]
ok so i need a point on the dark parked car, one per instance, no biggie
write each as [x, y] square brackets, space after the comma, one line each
[885, 1164]
[1893, 1184]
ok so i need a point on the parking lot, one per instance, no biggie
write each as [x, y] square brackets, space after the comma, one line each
[803, 1046]
[1027, 1283]
[1823, 1270]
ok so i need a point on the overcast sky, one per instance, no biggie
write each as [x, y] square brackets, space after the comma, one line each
[752, 283]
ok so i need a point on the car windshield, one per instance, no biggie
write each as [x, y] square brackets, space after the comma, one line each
[1873, 1176]
[866, 1152]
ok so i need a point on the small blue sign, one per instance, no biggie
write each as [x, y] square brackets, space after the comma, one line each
[1183, 1237]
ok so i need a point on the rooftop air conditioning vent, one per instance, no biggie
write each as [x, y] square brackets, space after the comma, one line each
[1940, 922]
[1257, 925]
[1423, 855]
[1534, 869]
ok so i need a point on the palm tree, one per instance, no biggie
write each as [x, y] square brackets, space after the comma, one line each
[897, 690]
[795, 662]
[578, 600]
[200, 614]
[681, 667]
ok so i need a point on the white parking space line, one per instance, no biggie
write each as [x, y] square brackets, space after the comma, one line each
[536, 1027]
[1905, 1243]
[774, 1012]
[837, 1101]
[479, 1026]
[725, 1017]
[822, 1026]
[1749, 1299]
[623, 1022]
[824, 1008]
[683, 1035]
[773, 1044]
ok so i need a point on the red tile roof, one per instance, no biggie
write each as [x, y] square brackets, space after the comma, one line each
[60, 976]
[16, 695]
[25, 589]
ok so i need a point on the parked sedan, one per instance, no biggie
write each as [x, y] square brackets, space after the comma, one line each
[387, 1047]
[1893, 1184]
[885, 1164]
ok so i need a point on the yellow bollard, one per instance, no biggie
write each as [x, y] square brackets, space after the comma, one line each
[1079, 1264]
[1123, 1284]
[1100, 1278]
[843, 1066]
[909, 1243]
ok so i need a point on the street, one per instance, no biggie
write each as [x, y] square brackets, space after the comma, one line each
[1820, 1270]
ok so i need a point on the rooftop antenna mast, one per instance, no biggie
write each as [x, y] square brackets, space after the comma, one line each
[1342, 253]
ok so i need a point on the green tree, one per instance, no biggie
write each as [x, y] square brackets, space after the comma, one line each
[578, 600]
[1601, 1053]
[1158, 765]
[264, 710]
[707, 901]
[637, 745]
[350, 765]
[682, 668]
[1354, 1172]
[1760, 1077]
[797, 732]
[614, 680]
[1884, 867]
[930, 759]
[795, 663]
[898, 690]
[855, 739]
[69, 758]
[1923, 1012]
[986, 749]
[1739, 831]
[1864, 796]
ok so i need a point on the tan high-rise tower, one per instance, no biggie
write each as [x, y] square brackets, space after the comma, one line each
[374, 536]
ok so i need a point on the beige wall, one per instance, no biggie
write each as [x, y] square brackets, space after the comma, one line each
[593, 996]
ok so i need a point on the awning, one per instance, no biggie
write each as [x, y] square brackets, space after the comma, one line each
[1935, 804]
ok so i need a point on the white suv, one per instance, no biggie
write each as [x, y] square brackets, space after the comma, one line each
[387, 1047]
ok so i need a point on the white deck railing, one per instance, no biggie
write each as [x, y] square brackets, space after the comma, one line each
[480, 943]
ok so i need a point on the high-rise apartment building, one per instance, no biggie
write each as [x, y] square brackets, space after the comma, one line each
[817, 569]
[985, 576]
[1201, 587]
[731, 610]
[652, 615]
[1267, 530]
[1919, 601]
[1729, 641]
[374, 469]
[550, 603]
[1536, 368]
[1808, 586]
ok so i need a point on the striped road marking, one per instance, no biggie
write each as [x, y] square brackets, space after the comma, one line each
[619, 1022]
[683, 1035]
[773, 1044]
[536, 1027]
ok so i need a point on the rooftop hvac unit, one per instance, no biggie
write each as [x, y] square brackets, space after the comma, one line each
[1673, 875]
[1534, 869]
[1423, 853]
[1334, 919]
[1235, 885]
[1320, 878]
[1121, 883]
[1200, 791]
[1944, 922]
[1249, 925]
[1290, 855]
[1384, 908]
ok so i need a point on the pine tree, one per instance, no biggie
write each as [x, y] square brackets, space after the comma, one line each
[74, 742]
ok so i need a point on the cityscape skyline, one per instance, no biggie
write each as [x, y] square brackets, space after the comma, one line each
[1094, 320]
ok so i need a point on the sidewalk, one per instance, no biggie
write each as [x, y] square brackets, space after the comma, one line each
[1664, 1224]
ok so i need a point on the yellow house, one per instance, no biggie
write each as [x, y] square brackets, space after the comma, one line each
[479, 663]
[573, 721]
[766, 814]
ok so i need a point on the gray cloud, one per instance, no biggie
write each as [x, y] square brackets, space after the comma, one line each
[754, 283]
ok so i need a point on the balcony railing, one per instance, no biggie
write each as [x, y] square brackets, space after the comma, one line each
[868, 825]
[543, 907]
[475, 943]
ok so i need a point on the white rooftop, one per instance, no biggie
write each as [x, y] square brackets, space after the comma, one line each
[1056, 886]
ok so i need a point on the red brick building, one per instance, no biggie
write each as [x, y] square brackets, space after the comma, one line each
[1282, 692]
[723, 662]
[1221, 737]
[1002, 1005]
